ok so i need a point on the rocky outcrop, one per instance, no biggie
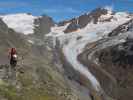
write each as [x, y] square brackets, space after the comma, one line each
[73, 26]
[43, 25]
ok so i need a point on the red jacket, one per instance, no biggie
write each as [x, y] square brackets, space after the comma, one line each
[12, 51]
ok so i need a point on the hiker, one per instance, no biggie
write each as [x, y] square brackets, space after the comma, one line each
[13, 57]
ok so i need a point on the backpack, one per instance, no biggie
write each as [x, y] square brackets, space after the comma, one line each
[14, 57]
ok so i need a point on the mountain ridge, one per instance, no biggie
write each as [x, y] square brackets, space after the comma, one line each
[74, 23]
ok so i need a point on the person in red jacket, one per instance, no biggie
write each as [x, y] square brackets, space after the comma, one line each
[13, 57]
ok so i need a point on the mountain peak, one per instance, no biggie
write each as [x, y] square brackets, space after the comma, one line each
[101, 11]
[92, 17]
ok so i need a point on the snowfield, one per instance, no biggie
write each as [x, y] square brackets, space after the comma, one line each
[72, 46]
[21, 23]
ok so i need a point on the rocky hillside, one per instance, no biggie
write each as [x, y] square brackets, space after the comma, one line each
[36, 76]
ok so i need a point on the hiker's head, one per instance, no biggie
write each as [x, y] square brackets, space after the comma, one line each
[13, 50]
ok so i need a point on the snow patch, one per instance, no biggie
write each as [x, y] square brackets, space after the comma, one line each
[30, 41]
[22, 23]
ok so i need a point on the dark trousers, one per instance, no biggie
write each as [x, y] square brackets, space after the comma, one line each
[13, 62]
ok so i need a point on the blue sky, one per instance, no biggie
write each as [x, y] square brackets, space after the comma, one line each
[61, 9]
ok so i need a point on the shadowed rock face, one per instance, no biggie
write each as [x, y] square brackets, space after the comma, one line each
[120, 55]
[83, 20]
[117, 60]
[72, 27]
[62, 23]
[43, 25]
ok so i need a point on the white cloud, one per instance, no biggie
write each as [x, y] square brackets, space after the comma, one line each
[63, 10]
[109, 7]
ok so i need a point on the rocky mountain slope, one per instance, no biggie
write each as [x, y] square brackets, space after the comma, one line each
[36, 77]
[86, 58]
